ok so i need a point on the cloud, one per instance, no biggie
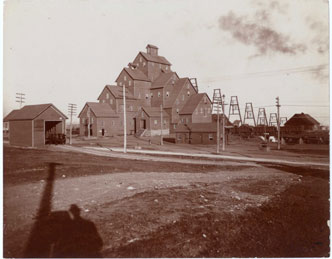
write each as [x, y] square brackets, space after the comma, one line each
[263, 37]
[321, 39]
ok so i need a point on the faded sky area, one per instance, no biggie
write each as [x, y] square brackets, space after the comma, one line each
[67, 51]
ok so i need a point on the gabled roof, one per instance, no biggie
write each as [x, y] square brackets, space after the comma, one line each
[135, 74]
[163, 79]
[215, 118]
[156, 59]
[9, 115]
[174, 91]
[192, 103]
[300, 119]
[154, 112]
[30, 112]
[117, 92]
[151, 46]
[100, 110]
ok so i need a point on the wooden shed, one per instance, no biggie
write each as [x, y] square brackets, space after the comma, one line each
[33, 124]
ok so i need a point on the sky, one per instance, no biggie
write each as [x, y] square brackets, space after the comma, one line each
[66, 51]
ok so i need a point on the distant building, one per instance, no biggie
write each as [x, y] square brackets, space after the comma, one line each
[32, 125]
[149, 84]
[6, 130]
[303, 122]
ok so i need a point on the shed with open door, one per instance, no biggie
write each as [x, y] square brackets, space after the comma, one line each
[34, 125]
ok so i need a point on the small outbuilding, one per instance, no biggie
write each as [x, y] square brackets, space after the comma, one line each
[33, 125]
[302, 121]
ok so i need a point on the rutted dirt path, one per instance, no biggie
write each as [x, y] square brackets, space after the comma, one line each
[91, 193]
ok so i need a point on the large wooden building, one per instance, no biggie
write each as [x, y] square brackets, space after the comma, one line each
[32, 125]
[150, 85]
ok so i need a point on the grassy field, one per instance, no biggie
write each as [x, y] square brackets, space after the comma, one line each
[158, 209]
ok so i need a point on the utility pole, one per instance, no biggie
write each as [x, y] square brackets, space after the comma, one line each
[88, 114]
[223, 122]
[217, 104]
[71, 111]
[278, 121]
[161, 125]
[20, 98]
[124, 120]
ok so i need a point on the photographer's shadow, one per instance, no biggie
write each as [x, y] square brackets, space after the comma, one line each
[61, 234]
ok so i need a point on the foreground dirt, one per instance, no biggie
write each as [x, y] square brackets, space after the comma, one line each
[153, 209]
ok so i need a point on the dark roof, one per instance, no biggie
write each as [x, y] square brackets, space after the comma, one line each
[151, 46]
[136, 74]
[9, 115]
[300, 119]
[163, 79]
[154, 112]
[157, 59]
[30, 112]
[197, 127]
[214, 118]
[100, 109]
[117, 92]
[192, 103]
[174, 91]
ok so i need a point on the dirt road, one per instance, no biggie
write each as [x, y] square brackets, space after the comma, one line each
[162, 209]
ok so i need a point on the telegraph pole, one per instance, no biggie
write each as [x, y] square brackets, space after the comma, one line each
[278, 121]
[20, 98]
[124, 121]
[161, 125]
[223, 122]
[218, 130]
[88, 113]
[71, 111]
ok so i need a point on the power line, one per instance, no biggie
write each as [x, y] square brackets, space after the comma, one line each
[271, 73]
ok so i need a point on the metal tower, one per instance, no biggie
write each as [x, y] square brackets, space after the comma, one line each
[283, 120]
[234, 108]
[249, 113]
[261, 118]
[273, 121]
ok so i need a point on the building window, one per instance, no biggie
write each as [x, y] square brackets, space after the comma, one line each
[91, 120]
[131, 108]
[183, 97]
[125, 78]
[188, 93]
[152, 64]
[155, 122]
[166, 67]
[151, 95]
[142, 115]
[129, 82]
[107, 95]
[187, 86]
[143, 64]
[146, 96]
[174, 126]
[103, 101]
[210, 136]
[120, 83]
[140, 59]
[139, 95]
[167, 93]
[111, 101]
[177, 110]
[205, 99]
[159, 65]
[158, 94]
[165, 122]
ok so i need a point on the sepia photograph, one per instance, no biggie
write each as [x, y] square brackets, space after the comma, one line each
[166, 129]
